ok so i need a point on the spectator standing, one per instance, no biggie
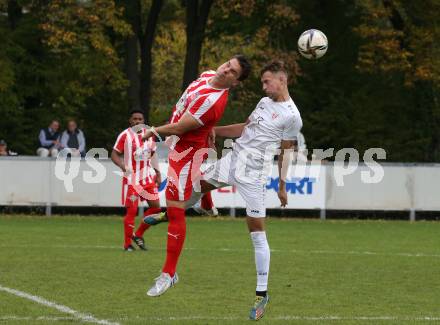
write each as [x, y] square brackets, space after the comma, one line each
[73, 139]
[49, 140]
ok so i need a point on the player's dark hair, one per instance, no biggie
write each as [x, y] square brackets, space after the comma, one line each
[137, 110]
[245, 66]
[274, 67]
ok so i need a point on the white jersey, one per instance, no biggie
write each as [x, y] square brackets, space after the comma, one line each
[269, 123]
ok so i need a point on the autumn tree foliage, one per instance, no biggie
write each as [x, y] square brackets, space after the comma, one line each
[377, 86]
[400, 36]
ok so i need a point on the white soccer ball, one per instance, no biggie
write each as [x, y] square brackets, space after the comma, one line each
[312, 44]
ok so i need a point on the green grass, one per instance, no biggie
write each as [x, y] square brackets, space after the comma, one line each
[346, 269]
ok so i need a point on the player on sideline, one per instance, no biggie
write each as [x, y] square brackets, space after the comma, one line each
[136, 158]
[275, 123]
[197, 111]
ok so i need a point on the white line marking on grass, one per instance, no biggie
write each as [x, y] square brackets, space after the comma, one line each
[290, 317]
[232, 318]
[294, 251]
[324, 252]
[37, 318]
[286, 318]
[61, 308]
[360, 253]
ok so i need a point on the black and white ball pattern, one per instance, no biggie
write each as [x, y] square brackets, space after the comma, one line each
[312, 44]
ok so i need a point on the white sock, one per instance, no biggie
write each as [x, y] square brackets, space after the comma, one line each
[262, 258]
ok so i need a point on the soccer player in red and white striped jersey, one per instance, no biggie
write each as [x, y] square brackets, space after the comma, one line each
[206, 204]
[138, 161]
[195, 114]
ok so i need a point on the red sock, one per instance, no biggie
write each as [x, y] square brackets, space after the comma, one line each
[176, 238]
[129, 225]
[207, 203]
[144, 226]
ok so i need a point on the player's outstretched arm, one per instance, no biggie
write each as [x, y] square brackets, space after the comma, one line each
[284, 161]
[232, 131]
[185, 124]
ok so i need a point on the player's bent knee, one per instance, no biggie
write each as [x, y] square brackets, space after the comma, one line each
[206, 187]
[255, 224]
[176, 204]
[153, 203]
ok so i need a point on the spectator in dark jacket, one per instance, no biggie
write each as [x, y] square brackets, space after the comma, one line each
[49, 140]
[73, 139]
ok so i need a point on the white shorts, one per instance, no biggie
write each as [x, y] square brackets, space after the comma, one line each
[253, 191]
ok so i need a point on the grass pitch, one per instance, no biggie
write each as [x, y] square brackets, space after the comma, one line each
[344, 272]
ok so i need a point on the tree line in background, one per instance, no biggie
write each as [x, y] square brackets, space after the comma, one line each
[378, 85]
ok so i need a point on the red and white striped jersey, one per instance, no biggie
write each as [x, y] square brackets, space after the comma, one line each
[137, 154]
[206, 104]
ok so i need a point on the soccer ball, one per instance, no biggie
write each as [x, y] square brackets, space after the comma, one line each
[312, 44]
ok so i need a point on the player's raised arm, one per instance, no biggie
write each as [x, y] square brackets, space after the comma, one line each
[284, 161]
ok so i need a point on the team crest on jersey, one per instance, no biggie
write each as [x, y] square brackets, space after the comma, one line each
[274, 116]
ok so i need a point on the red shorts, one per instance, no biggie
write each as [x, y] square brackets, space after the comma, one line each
[183, 173]
[131, 194]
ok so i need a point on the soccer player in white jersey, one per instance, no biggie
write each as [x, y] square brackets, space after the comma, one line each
[274, 124]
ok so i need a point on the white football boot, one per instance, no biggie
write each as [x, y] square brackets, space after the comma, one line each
[213, 212]
[163, 282]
